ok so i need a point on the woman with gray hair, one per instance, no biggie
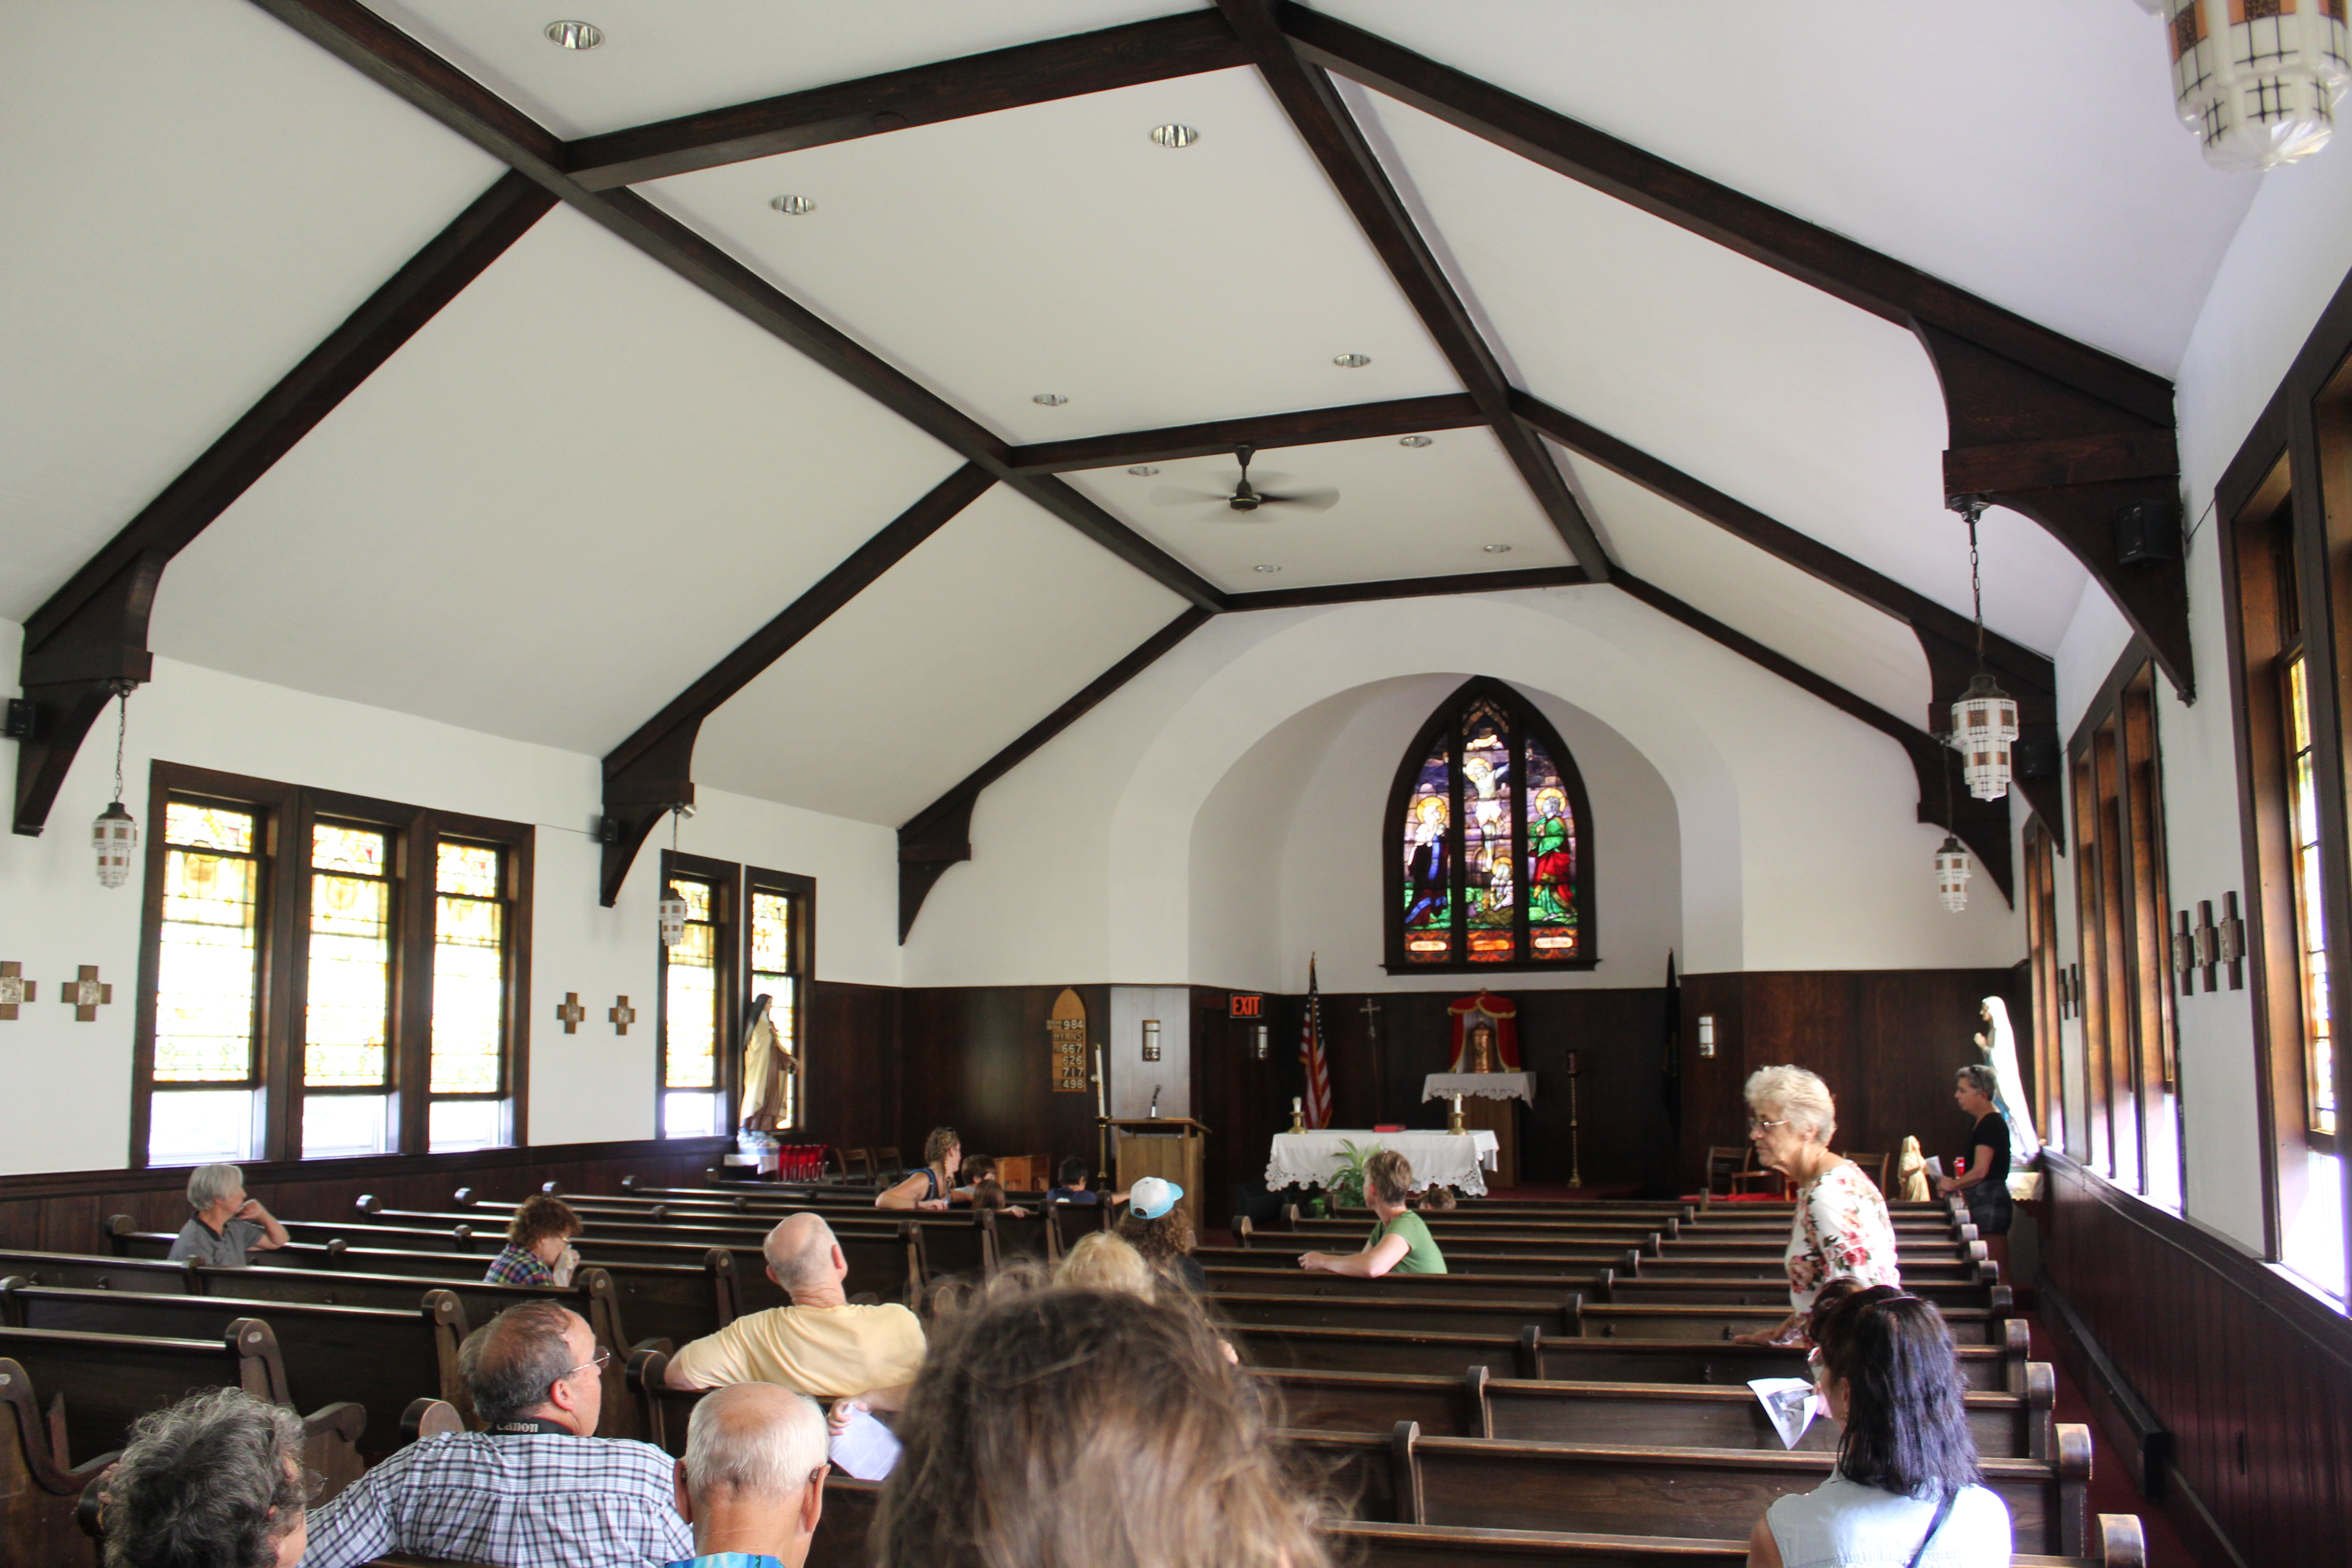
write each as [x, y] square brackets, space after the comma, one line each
[214, 1481]
[227, 1225]
[1842, 1230]
[1985, 1184]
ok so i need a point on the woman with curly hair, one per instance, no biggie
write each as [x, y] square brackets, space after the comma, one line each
[1840, 1229]
[538, 1245]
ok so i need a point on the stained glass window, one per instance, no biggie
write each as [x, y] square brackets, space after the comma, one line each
[2311, 918]
[209, 956]
[347, 1020]
[691, 995]
[777, 945]
[1488, 866]
[469, 970]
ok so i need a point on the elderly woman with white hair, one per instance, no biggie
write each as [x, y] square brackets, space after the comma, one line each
[1842, 1230]
[227, 1226]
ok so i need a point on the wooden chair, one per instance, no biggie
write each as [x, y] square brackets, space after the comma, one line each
[1726, 1161]
[857, 1164]
[887, 1158]
[1874, 1166]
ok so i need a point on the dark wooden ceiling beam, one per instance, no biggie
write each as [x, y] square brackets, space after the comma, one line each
[1338, 142]
[1127, 55]
[1408, 588]
[940, 835]
[397, 62]
[90, 635]
[1268, 433]
[1983, 825]
[653, 770]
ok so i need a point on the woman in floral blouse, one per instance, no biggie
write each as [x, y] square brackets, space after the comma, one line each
[1840, 1230]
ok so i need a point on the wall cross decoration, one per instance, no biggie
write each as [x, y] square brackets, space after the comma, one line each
[85, 995]
[2209, 944]
[2230, 944]
[14, 989]
[572, 1012]
[621, 1015]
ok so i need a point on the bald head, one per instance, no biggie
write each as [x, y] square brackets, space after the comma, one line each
[801, 1253]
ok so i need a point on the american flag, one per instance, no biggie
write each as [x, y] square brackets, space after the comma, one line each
[1311, 1053]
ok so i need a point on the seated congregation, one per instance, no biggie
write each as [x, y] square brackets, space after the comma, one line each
[1096, 1387]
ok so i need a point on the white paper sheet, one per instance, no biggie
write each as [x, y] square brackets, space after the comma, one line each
[1790, 1404]
[866, 1448]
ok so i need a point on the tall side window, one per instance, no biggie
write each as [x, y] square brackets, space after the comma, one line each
[1488, 842]
[783, 956]
[205, 1058]
[324, 975]
[2042, 966]
[698, 1007]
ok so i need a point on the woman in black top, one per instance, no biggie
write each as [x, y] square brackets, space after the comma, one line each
[1986, 1184]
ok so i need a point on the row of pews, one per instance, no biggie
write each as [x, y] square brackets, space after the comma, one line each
[1571, 1390]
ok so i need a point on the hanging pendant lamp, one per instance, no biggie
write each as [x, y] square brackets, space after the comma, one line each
[1984, 720]
[672, 902]
[114, 836]
[1952, 873]
[2257, 81]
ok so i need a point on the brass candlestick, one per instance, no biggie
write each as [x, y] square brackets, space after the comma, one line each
[1575, 1166]
[1297, 1116]
[1454, 1118]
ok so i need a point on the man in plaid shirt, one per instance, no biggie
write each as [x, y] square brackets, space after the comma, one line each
[537, 1487]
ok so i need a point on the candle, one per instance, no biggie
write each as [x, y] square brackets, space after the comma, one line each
[1296, 1105]
[1100, 1108]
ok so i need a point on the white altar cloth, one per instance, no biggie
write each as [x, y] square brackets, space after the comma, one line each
[1480, 1085]
[1442, 1159]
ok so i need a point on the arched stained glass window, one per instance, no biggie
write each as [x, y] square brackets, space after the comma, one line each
[1488, 842]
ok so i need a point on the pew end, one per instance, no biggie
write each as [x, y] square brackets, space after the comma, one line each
[429, 1417]
[368, 1203]
[2121, 1543]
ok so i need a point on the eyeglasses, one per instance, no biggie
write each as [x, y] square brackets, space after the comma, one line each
[313, 1483]
[1757, 1124]
[604, 1359]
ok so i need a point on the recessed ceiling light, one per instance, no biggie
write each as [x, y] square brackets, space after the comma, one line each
[1173, 135]
[1351, 361]
[1415, 441]
[1143, 471]
[574, 35]
[794, 207]
[1495, 549]
[1265, 568]
[1049, 400]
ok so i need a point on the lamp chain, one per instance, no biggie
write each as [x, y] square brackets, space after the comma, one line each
[121, 729]
[1976, 578]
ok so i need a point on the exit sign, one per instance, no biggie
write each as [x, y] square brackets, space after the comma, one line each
[1248, 1007]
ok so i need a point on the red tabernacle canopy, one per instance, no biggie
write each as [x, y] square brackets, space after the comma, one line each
[1486, 1007]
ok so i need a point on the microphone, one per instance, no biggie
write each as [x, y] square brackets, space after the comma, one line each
[1155, 1100]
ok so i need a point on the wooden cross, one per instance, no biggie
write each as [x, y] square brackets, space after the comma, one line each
[1371, 1012]
[2209, 944]
[572, 1012]
[2230, 945]
[14, 988]
[621, 1015]
[2184, 954]
[85, 995]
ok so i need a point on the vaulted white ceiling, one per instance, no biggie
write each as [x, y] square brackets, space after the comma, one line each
[585, 480]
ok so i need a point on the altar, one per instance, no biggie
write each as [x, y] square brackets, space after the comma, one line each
[1490, 1103]
[1438, 1159]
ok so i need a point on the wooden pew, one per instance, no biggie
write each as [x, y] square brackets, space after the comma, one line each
[2117, 1543]
[39, 1492]
[385, 1360]
[1472, 1405]
[1622, 1232]
[1532, 1355]
[1293, 1281]
[1255, 1245]
[92, 1271]
[1565, 1312]
[1403, 1478]
[107, 1381]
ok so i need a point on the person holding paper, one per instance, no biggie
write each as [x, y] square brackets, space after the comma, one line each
[821, 1345]
[752, 1481]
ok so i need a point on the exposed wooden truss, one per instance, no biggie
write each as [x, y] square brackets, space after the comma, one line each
[90, 635]
[1313, 427]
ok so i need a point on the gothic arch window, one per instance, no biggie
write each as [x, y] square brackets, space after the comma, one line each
[1488, 842]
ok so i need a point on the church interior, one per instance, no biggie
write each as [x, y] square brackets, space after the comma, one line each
[804, 572]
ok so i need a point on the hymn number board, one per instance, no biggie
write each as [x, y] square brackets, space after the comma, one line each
[1066, 1030]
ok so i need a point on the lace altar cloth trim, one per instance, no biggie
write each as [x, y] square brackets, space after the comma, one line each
[1439, 1158]
[1480, 1085]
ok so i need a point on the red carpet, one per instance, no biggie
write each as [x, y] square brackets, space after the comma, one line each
[2111, 1487]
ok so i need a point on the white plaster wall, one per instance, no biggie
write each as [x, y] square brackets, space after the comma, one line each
[69, 1084]
[1085, 856]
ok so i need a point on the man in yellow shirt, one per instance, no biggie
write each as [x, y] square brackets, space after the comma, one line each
[820, 1345]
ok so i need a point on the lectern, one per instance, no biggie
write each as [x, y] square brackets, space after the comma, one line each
[1168, 1147]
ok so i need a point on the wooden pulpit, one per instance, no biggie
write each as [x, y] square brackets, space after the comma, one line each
[1168, 1147]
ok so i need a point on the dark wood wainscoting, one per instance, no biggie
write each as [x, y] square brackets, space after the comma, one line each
[975, 1058]
[1887, 1041]
[853, 1065]
[67, 1212]
[2249, 1374]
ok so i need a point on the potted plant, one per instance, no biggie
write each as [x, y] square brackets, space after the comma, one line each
[1347, 1184]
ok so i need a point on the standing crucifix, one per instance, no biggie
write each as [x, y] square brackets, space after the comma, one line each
[1371, 1012]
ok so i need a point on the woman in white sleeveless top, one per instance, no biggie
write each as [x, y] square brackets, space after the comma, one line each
[1905, 1492]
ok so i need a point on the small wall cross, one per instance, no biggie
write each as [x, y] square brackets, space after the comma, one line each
[2207, 939]
[14, 988]
[621, 1015]
[572, 1012]
[86, 995]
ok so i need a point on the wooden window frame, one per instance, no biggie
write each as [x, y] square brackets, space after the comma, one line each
[728, 950]
[287, 813]
[2122, 922]
[1527, 721]
[802, 890]
[2043, 968]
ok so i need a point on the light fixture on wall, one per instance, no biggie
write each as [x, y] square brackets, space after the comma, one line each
[672, 902]
[1258, 1041]
[114, 835]
[1151, 1039]
[2257, 81]
[1952, 873]
[1984, 720]
[1707, 1034]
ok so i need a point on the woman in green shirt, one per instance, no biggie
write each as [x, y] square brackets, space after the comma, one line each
[1399, 1242]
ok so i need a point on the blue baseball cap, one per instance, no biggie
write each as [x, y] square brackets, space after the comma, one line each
[1152, 1196]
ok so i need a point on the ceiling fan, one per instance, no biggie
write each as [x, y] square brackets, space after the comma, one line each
[1247, 498]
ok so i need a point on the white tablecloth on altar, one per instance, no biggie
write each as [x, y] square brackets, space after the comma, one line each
[1442, 1159]
[1480, 1085]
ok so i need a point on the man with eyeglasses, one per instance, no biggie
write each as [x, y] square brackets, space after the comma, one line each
[536, 1486]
